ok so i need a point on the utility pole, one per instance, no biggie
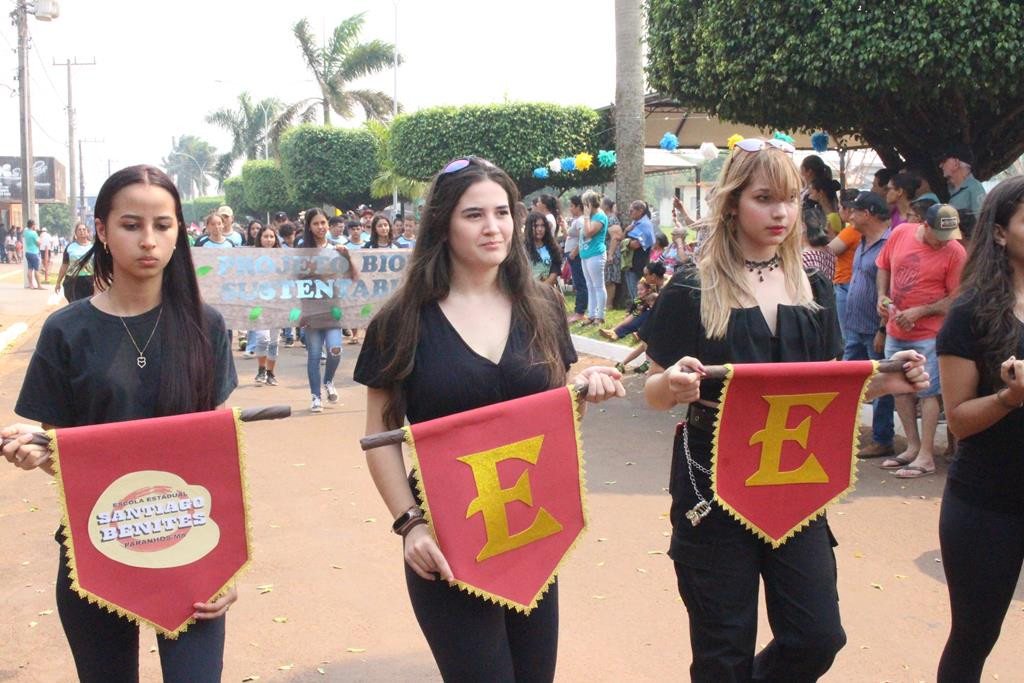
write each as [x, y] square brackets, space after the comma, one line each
[81, 176]
[27, 178]
[71, 135]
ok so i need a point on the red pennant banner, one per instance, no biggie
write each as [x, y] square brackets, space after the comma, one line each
[154, 513]
[503, 490]
[785, 442]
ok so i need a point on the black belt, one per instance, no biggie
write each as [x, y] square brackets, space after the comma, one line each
[702, 417]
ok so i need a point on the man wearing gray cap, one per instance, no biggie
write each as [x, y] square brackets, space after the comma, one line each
[918, 277]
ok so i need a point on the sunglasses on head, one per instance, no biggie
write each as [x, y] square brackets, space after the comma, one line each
[756, 145]
[456, 165]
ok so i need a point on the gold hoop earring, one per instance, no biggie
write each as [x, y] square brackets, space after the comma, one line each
[106, 248]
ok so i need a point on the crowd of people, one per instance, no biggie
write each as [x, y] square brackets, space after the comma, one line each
[786, 268]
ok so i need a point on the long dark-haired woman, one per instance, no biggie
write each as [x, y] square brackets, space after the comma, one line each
[322, 328]
[80, 286]
[252, 232]
[981, 361]
[545, 256]
[381, 233]
[469, 327]
[748, 300]
[84, 372]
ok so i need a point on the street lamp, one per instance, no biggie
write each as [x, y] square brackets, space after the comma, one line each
[266, 130]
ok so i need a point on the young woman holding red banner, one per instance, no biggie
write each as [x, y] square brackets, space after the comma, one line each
[981, 347]
[469, 327]
[748, 300]
[145, 346]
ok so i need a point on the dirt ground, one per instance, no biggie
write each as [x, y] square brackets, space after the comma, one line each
[323, 544]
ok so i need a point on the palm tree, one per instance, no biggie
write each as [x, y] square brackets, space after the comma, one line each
[629, 102]
[250, 126]
[188, 163]
[340, 62]
[388, 179]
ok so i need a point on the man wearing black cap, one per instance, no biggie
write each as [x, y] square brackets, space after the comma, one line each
[865, 335]
[965, 191]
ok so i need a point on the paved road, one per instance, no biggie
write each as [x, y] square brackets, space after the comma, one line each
[322, 540]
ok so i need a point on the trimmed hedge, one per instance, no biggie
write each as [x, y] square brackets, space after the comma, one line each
[328, 165]
[195, 210]
[234, 196]
[517, 137]
[264, 188]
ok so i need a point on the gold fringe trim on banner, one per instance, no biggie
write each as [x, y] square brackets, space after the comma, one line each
[487, 595]
[69, 544]
[749, 525]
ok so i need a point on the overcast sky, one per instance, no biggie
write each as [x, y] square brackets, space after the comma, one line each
[161, 65]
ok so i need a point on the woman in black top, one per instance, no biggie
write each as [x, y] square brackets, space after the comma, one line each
[545, 256]
[748, 300]
[88, 368]
[980, 347]
[469, 327]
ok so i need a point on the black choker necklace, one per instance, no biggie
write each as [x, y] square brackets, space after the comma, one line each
[760, 266]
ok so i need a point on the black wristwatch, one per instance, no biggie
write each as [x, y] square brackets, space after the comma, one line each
[406, 517]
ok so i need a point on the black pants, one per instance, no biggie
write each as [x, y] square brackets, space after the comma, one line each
[106, 646]
[719, 568]
[982, 554]
[474, 640]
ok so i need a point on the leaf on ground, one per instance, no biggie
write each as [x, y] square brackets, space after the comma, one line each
[629, 463]
[265, 588]
[285, 667]
[336, 566]
[655, 552]
[598, 597]
[355, 650]
[602, 539]
[46, 613]
[275, 526]
[298, 464]
[611, 483]
[601, 563]
[369, 520]
[250, 678]
[858, 554]
[900, 576]
[326, 488]
[320, 670]
[641, 570]
[33, 624]
[280, 620]
[152, 649]
[876, 586]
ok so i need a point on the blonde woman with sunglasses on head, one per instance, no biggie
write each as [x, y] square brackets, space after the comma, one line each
[748, 300]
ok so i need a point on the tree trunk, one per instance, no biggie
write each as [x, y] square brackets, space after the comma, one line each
[629, 104]
[327, 112]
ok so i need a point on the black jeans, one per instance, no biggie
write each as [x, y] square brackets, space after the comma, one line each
[476, 641]
[106, 646]
[982, 554]
[719, 567]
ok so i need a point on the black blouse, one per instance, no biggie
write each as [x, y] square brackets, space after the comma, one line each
[988, 470]
[448, 377]
[674, 330]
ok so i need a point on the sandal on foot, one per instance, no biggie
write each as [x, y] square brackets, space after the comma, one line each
[900, 463]
[915, 472]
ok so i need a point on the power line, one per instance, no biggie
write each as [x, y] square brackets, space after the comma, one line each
[39, 58]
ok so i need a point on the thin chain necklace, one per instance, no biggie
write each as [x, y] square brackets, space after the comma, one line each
[760, 266]
[141, 360]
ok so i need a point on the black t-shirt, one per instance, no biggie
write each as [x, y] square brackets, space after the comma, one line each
[84, 371]
[448, 377]
[988, 470]
[674, 330]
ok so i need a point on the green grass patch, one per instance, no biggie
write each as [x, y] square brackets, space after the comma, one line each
[611, 319]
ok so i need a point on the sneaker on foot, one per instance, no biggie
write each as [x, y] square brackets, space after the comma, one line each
[271, 380]
[621, 368]
[289, 343]
[332, 393]
[317, 406]
[248, 354]
[261, 376]
[642, 368]
[609, 334]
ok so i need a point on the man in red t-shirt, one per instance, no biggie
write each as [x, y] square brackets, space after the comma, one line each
[918, 277]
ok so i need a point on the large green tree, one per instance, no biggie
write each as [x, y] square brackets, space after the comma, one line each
[388, 178]
[335, 65]
[907, 76]
[188, 163]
